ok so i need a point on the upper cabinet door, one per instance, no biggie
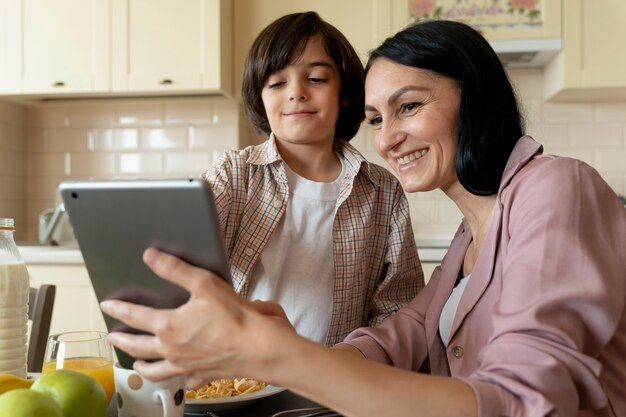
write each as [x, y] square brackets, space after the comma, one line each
[162, 46]
[65, 45]
[592, 65]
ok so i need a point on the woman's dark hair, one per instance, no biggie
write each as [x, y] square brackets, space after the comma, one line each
[490, 122]
[273, 49]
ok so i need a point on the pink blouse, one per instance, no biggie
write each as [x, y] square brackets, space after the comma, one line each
[541, 327]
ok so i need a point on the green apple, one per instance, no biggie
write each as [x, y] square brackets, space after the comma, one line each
[77, 394]
[24, 402]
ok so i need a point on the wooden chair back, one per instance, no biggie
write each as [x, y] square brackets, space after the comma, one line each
[40, 303]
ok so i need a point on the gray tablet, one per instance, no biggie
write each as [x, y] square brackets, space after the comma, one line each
[114, 221]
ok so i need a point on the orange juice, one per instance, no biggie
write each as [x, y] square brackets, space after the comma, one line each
[101, 369]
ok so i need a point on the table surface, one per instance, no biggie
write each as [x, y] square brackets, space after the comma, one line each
[264, 407]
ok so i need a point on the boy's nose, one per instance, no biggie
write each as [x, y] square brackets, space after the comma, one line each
[297, 92]
[297, 97]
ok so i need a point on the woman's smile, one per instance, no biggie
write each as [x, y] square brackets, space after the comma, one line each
[411, 157]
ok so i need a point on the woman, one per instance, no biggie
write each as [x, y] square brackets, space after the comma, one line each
[525, 316]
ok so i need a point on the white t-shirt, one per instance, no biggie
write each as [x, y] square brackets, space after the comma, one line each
[297, 267]
[449, 310]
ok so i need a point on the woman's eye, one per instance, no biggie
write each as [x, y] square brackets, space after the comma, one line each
[374, 121]
[409, 107]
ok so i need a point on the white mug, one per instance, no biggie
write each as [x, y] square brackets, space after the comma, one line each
[137, 396]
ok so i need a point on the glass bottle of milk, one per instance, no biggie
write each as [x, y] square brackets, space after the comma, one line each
[14, 289]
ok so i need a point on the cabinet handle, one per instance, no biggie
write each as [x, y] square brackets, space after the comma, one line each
[58, 84]
[166, 81]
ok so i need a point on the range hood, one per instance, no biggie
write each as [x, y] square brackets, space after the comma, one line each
[527, 53]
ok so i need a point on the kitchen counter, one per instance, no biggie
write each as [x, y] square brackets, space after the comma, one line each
[432, 248]
[41, 254]
[429, 249]
[431, 254]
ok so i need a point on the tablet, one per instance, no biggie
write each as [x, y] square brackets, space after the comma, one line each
[114, 221]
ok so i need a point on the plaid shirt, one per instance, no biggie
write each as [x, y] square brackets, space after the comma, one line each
[377, 269]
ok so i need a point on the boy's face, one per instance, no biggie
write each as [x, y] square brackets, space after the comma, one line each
[302, 99]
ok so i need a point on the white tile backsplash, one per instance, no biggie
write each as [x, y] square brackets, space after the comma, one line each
[146, 164]
[173, 137]
[597, 135]
[163, 138]
[69, 140]
[116, 139]
[91, 114]
[13, 165]
[216, 137]
[189, 112]
[611, 111]
[611, 160]
[567, 112]
[143, 112]
[187, 163]
[12, 115]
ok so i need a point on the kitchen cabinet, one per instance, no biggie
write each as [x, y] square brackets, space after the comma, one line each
[164, 46]
[592, 65]
[75, 304]
[54, 47]
[115, 47]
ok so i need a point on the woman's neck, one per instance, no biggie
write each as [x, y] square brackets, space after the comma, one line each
[478, 213]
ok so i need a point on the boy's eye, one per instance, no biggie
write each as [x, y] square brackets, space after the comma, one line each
[275, 84]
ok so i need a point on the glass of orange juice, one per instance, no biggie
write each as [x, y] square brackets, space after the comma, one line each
[84, 351]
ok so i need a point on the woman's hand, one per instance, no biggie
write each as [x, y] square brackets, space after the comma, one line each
[216, 334]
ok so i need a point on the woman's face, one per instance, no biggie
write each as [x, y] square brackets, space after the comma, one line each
[414, 113]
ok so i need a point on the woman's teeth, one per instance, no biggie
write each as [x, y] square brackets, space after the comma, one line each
[412, 157]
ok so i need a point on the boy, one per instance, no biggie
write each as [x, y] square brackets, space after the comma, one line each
[307, 221]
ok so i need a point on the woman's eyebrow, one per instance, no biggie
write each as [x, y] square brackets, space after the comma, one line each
[397, 94]
[402, 90]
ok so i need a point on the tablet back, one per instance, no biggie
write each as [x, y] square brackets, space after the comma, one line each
[114, 221]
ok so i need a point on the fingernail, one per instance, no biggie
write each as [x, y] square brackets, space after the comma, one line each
[150, 256]
[105, 305]
[111, 337]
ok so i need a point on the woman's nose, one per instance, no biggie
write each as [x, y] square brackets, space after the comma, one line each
[389, 137]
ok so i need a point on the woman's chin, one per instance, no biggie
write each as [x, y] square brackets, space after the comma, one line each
[411, 186]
